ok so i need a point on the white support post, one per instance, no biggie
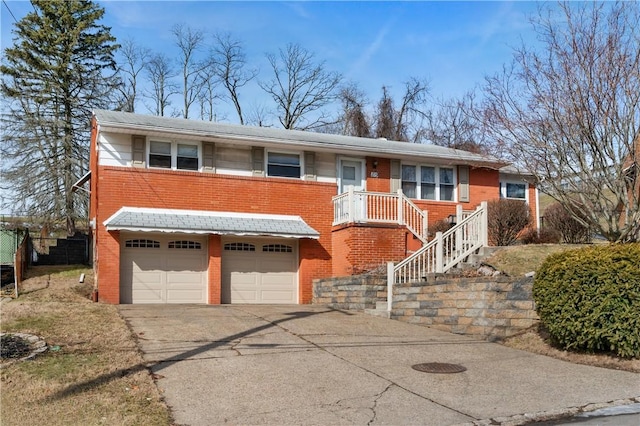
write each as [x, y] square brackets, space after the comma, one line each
[390, 281]
[439, 253]
[352, 204]
[484, 231]
[425, 224]
[400, 207]
[459, 248]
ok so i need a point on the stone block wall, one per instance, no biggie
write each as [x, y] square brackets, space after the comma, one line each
[354, 292]
[491, 307]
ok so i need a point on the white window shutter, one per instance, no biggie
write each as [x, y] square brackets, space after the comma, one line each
[310, 165]
[138, 147]
[208, 157]
[257, 160]
[396, 181]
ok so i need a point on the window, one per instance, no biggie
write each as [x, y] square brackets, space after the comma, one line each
[168, 155]
[436, 183]
[283, 165]
[160, 154]
[277, 248]
[409, 185]
[142, 244]
[187, 157]
[185, 244]
[516, 190]
[239, 247]
[428, 183]
[446, 184]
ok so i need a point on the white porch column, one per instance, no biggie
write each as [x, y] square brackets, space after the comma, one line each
[400, 207]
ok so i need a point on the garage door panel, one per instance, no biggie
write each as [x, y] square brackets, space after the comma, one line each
[185, 295]
[148, 295]
[258, 276]
[155, 273]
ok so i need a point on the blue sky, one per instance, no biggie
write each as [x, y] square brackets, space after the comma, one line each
[452, 44]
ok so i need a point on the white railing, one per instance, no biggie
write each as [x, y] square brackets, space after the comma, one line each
[380, 207]
[444, 252]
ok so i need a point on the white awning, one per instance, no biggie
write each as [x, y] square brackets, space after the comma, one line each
[206, 222]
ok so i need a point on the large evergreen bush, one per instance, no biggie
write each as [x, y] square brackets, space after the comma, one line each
[589, 299]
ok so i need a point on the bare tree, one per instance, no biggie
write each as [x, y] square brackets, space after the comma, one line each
[458, 124]
[258, 115]
[133, 61]
[300, 87]
[401, 124]
[385, 118]
[571, 112]
[160, 73]
[189, 41]
[354, 119]
[208, 94]
[230, 68]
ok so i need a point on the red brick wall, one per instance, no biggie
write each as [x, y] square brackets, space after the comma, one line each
[358, 247]
[121, 186]
[381, 183]
[215, 269]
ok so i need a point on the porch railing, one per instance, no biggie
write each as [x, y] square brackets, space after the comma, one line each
[380, 207]
[444, 252]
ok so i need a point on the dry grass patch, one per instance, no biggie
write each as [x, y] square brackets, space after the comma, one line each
[516, 261]
[95, 374]
[537, 341]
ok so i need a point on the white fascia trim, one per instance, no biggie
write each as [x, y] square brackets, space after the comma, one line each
[197, 232]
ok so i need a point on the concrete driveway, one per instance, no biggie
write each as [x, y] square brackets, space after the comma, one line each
[256, 364]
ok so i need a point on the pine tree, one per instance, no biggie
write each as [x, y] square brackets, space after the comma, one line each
[59, 68]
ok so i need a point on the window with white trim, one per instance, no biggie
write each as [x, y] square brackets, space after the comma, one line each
[283, 164]
[435, 182]
[174, 155]
[514, 190]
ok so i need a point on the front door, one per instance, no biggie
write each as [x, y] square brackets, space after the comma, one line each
[352, 176]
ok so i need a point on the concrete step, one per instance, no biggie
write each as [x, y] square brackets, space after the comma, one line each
[378, 312]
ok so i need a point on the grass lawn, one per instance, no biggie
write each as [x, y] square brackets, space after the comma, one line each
[518, 260]
[93, 373]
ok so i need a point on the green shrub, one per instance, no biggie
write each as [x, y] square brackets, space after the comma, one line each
[589, 299]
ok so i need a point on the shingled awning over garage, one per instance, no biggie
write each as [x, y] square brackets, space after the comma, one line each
[204, 222]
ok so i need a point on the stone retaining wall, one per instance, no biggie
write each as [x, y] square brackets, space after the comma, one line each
[492, 307]
[489, 307]
[356, 292]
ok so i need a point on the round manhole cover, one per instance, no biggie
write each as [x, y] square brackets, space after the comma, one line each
[439, 367]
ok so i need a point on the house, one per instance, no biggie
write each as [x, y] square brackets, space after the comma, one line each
[187, 211]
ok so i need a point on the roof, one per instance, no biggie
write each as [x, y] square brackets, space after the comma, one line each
[206, 222]
[117, 121]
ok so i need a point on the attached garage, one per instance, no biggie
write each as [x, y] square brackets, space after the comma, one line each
[163, 269]
[164, 257]
[259, 271]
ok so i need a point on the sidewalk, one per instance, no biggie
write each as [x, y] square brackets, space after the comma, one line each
[313, 365]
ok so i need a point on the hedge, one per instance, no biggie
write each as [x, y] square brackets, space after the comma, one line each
[589, 299]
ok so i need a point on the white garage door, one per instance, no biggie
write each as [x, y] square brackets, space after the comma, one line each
[163, 269]
[259, 271]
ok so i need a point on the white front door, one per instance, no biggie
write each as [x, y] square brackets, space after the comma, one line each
[351, 174]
